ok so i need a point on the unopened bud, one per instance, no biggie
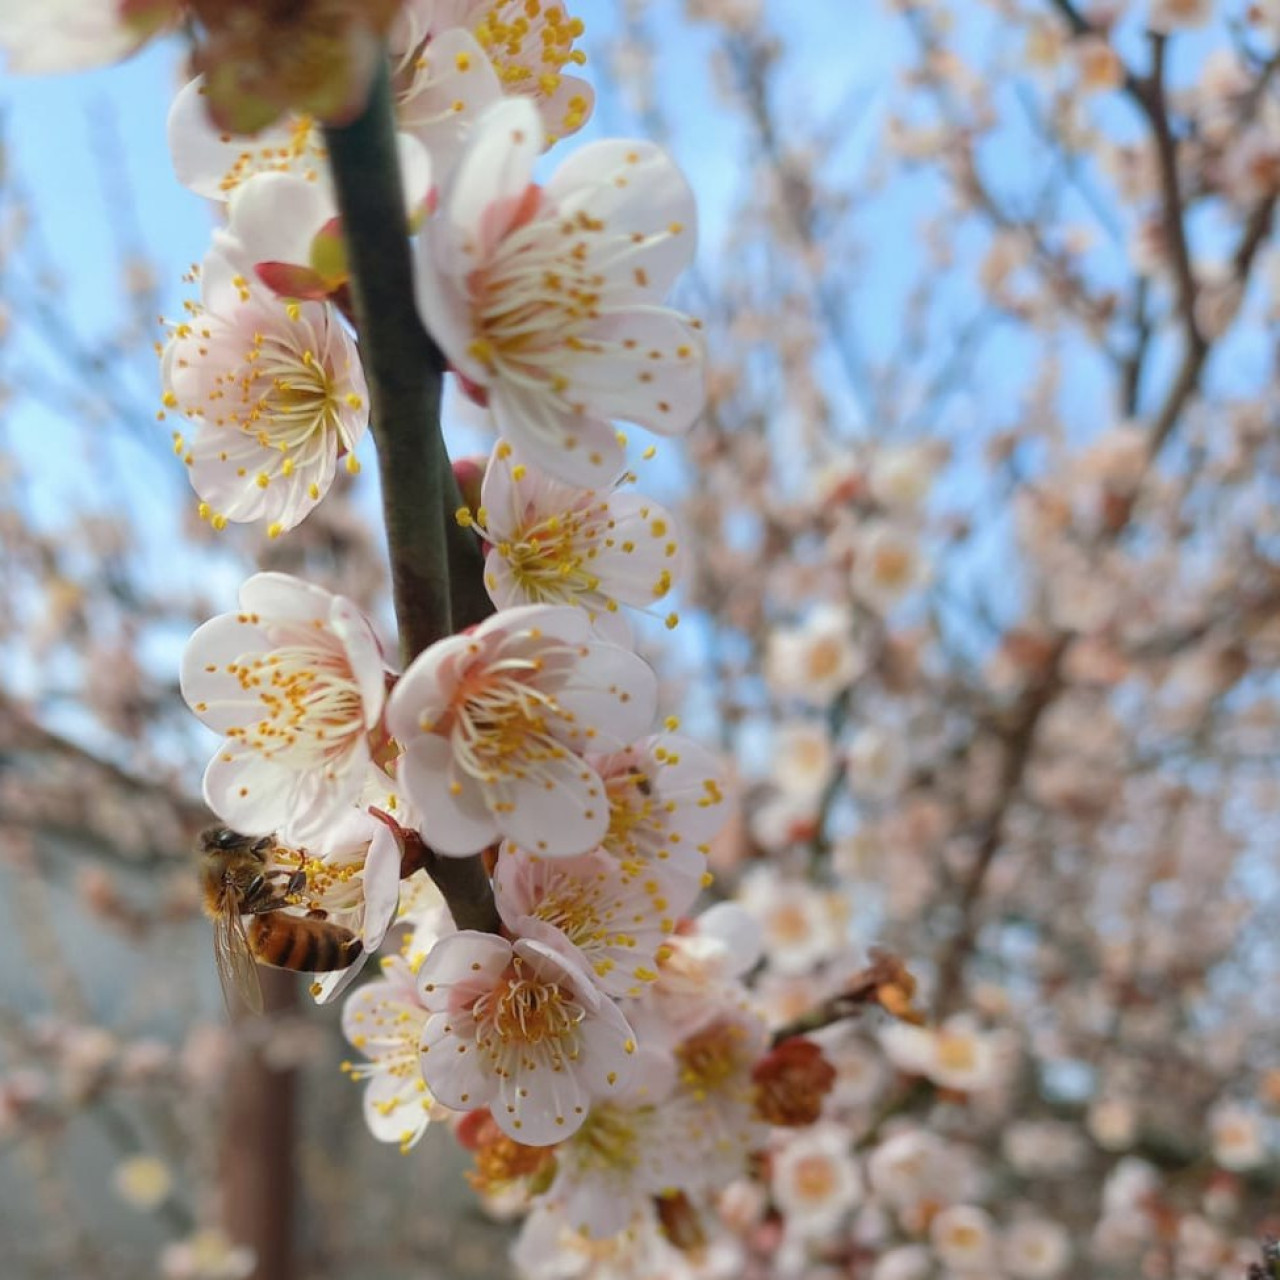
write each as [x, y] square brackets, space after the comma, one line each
[791, 1082]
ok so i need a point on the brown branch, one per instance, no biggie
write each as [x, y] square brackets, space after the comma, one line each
[1019, 742]
[436, 566]
[259, 1182]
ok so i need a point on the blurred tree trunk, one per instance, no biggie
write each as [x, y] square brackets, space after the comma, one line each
[259, 1135]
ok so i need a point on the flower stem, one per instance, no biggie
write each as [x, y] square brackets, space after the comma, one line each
[436, 567]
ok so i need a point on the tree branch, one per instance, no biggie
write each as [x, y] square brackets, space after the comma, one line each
[436, 566]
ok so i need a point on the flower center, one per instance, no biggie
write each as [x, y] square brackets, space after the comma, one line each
[502, 724]
[814, 1177]
[549, 558]
[633, 811]
[311, 705]
[789, 923]
[824, 658]
[711, 1059]
[892, 566]
[608, 1140]
[535, 297]
[955, 1052]
[521, 1010]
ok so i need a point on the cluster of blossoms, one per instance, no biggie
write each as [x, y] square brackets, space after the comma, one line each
[597, 1049]
[1045, 784]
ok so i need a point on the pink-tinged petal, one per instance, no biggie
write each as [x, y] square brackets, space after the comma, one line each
[539, 1105]
[248, 793]
[220, 457]
[443, 307]
[736, 931]
[490, 186]
[599, 1207]
[416, 175]
[608, 1062]
[453, 82]
[645, 365]
[530, 929]
[273, 217]
[212, 163]
[567, 108]
[423, 692]
[562, 812]
[212, 693]
[689, 777]
[222, 283]
[639, 193]
[469, 959]
[381, 886]
[283, 598]
[364, 654]
[327, 987]
[572, 447]
[396, 1109]
[316, 795]
[614, 692]
[455, 822]
[502, 496]
[452, 1068]
[563, 622]
[643, 576]
[516, 879]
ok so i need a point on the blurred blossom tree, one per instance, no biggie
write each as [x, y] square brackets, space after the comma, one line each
[974, 544]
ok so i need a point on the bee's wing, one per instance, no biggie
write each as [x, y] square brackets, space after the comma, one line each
[236, 969]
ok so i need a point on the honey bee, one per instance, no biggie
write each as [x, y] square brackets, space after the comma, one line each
[239, 881]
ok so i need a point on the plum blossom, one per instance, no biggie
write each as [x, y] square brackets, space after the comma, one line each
[384, 1020]
[666, 804]
[815, 1179]
[1035, 1249]
[878, 762]
[816, 661]
[523, 1030]
[553, 543]
[213, 163]
[963, 1237]
[277, 395]
[803, 759]
[351, 873]
[494, 721]
[956, 1055]
[611, 921]
[626, 1152]
[887, 566]
[295, 682]
[910, 1166]
[801, 924]
[900, 476]
[1238, 1138]
[545, 299]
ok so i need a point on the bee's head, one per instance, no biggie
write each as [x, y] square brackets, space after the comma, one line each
[224, 840]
